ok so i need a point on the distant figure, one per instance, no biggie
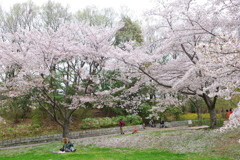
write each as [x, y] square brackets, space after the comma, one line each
[162, 124]
[231, 111]
[227, 114]
[121, 124]
[151, 123]
[143, 124]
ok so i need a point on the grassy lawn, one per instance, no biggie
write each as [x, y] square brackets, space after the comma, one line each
[43, 152]
[154, 145]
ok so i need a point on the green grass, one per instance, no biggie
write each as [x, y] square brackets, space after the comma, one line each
[43, 152]
[159, 145]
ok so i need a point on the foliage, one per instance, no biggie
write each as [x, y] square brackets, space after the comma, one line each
[90, 123]
[189, 116]
[38, 115]
[144, 110]
[194, 116]
[53, 14]
[25, 130]
[92, 16]
[16, 108]
[175, 111]
[82, 113]
[130, 32]
[133, 120]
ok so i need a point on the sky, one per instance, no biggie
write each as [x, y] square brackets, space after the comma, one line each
[137, 6]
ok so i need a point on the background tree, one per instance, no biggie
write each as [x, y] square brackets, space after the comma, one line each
[183, 27]
[20, 16]
[59, 68]
[130, 32]
[15, 108]
[54, 14]
[93, 16]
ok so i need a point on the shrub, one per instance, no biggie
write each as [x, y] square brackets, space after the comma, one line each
[194, 116]
[189, 116]
[39, 115]
[133, 120]
[90, 123]
[106, 122]
[175, 111]
[110, 122]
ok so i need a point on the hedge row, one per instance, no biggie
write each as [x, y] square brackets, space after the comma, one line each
[104, 122]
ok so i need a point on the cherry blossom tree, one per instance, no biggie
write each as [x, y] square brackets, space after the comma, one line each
[60, 68]
[224, 53]
[177, 65]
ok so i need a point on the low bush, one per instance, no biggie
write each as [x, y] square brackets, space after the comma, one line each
[133, 120]
[189, 116]
[90, 123]
[106, 122]
[194, 116]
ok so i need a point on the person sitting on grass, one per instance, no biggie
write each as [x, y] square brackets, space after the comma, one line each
[162, 124]
[67, 146]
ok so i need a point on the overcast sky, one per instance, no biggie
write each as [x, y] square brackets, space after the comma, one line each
[136, 6]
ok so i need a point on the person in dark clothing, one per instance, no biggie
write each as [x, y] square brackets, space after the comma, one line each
[162, 124]
[151, 123]
[67, 146]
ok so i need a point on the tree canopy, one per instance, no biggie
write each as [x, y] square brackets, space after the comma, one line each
[188, 48]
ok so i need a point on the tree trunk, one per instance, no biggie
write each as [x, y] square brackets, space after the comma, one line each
[65, 128]
[211, 108]
[199, 113]
[213, 117]
[196, 103]
[198, 108]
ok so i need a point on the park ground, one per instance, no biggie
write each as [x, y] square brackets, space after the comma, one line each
[169, 143]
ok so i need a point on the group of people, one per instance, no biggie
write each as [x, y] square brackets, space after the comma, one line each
[152, 124]
[228, 113]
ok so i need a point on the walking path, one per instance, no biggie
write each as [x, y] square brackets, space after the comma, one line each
[147, 129]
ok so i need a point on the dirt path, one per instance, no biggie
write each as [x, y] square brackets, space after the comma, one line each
[147, 129]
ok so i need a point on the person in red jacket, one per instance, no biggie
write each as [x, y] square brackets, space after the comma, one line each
[121, 124]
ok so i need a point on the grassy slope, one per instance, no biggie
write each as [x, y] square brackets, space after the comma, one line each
[164, 145]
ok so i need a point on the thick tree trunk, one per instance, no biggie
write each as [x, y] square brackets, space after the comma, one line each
[65, 128]
[211, 108]
[213, 117]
